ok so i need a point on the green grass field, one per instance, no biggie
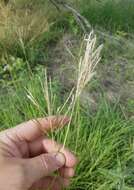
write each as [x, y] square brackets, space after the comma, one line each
[101, 133]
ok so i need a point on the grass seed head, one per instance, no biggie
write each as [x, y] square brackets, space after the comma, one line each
[88, 62]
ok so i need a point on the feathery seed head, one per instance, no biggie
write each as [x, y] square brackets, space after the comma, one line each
[88, 62]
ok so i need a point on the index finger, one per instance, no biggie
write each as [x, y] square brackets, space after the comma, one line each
[35, 128]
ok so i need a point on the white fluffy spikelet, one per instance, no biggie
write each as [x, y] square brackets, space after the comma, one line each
[88, 62]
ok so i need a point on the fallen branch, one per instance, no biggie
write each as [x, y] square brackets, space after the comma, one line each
[81, 20]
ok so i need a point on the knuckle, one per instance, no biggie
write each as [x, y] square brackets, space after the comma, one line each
[44, 162]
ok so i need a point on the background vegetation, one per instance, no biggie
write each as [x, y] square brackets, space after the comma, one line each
[35, 35]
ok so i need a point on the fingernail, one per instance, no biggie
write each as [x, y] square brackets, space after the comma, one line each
[60, 158]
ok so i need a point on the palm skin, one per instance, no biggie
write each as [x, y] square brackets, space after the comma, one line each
[27, 159]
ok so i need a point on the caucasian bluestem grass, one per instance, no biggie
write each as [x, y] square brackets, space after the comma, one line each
[89, 57]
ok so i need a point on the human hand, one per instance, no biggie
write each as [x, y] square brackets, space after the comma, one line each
[27, 159]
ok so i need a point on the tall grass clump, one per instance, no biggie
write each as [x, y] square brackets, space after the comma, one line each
[21, 25]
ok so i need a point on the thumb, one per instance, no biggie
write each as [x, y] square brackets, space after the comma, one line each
[43, 165]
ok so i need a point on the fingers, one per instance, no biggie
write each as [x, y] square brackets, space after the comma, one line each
[42, 145]
[39, 146]
[66, 172]
[46, 164]
[43, 165]
[53, 183]
[52, 146]
[34, 129]
[36, 147]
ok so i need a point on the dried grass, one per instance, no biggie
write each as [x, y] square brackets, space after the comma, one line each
[88, 62]
[21, 24]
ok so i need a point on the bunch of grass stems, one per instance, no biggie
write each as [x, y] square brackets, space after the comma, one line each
[21, 26]
[89, 57]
